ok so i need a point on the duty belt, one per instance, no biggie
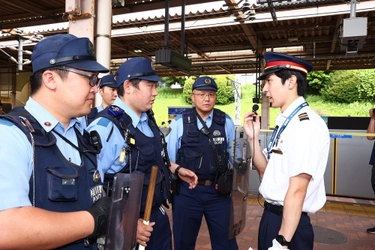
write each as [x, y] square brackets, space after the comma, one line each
[276, 209]
[205, 182]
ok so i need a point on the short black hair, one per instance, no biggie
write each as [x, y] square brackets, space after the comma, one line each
[134, 82]
[301, 79]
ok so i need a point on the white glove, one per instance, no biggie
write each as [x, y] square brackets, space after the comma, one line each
[276, 245]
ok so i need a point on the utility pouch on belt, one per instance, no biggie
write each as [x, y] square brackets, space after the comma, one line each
[224, 182]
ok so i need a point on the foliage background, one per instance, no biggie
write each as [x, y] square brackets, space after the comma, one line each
[169, 97]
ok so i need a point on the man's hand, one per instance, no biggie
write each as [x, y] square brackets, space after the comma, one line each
[144, 232]
[250, 126]
[276, 245]
[100, 212]
[188, 176]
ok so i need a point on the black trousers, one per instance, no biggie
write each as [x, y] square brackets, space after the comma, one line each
[269, 228]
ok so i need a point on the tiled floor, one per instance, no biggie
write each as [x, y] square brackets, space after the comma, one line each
[350, 217]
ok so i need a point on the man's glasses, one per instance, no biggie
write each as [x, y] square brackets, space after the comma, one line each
[94, 80]
[210, 95]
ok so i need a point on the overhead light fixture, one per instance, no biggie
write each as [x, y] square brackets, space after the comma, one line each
[138, 51]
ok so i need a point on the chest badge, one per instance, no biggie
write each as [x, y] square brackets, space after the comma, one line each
[96, 176]
[216, 133]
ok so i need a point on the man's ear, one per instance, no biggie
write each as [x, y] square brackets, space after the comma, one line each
[49, 79]
[292, 82]
[126, 85]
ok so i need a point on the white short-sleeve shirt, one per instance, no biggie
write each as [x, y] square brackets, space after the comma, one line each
[303, 147]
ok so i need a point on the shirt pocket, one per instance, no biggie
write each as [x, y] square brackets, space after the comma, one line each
[192, 159]
[62, 184]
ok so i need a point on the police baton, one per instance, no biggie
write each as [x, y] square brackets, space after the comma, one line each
[150, 198]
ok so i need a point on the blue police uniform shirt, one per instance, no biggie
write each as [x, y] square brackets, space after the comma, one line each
[108, 159]
[173, 139]
[99, 108]
[16, 156]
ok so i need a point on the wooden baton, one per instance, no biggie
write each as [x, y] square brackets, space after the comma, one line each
[150, 198]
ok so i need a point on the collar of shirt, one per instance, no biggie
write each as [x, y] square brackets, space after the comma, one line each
[99, 108]
[46, 119]
[208, 121]
[282, 116]
[135, 118]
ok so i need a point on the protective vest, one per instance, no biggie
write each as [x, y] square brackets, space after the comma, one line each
[57, 184]
[92, 115]
[143, 153]
[196, 151]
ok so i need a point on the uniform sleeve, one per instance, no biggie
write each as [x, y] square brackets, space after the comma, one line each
[305, 149]
[112, 144]
[173, 138]
[16, 163]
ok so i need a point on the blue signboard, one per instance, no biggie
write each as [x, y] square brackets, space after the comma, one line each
[340, 136]
[174, 111]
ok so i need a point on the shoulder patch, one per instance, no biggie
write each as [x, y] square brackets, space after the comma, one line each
[178, 117]
[303, 116]
[103, 122]
[6, 122]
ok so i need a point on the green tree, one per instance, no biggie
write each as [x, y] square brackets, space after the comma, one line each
[343, 87]
[169, 80]
[317, 80]
[366, 88]
[224, 94]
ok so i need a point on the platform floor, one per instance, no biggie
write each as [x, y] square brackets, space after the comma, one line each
[342, 216]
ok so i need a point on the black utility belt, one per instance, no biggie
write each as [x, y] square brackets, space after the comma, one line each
[206, 183]
[276, 209]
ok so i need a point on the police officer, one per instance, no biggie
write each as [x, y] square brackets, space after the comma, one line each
[132, 142]
[51, 194]
[293, 164]
[189, 148]
[108, 92]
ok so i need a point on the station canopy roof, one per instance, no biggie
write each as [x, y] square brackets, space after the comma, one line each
[221, 37]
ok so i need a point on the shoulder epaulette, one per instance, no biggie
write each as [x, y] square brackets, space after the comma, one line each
[20, 117]
[303, 116]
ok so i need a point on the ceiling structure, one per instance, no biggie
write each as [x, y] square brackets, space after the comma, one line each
[225, 40]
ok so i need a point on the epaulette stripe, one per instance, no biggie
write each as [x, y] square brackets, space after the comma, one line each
[103, 122]
[303, 116]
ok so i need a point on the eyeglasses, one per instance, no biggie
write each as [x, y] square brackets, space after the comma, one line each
[94, 80]
[210, 95]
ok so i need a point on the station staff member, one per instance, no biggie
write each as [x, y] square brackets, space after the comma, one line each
[293, 164]
[48, 184]
[189, 148]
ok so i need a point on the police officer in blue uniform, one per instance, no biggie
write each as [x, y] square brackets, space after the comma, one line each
[292, 166]
[132, 142]
[51, 193]
[189, 148]
[108, 92]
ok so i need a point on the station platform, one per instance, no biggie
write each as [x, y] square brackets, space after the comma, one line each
[340, 225]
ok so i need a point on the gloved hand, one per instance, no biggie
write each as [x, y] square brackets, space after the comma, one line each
[100, 211]
[276, 245]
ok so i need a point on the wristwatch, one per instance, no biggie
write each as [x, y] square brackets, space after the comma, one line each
[176, 170]
[281, 239]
